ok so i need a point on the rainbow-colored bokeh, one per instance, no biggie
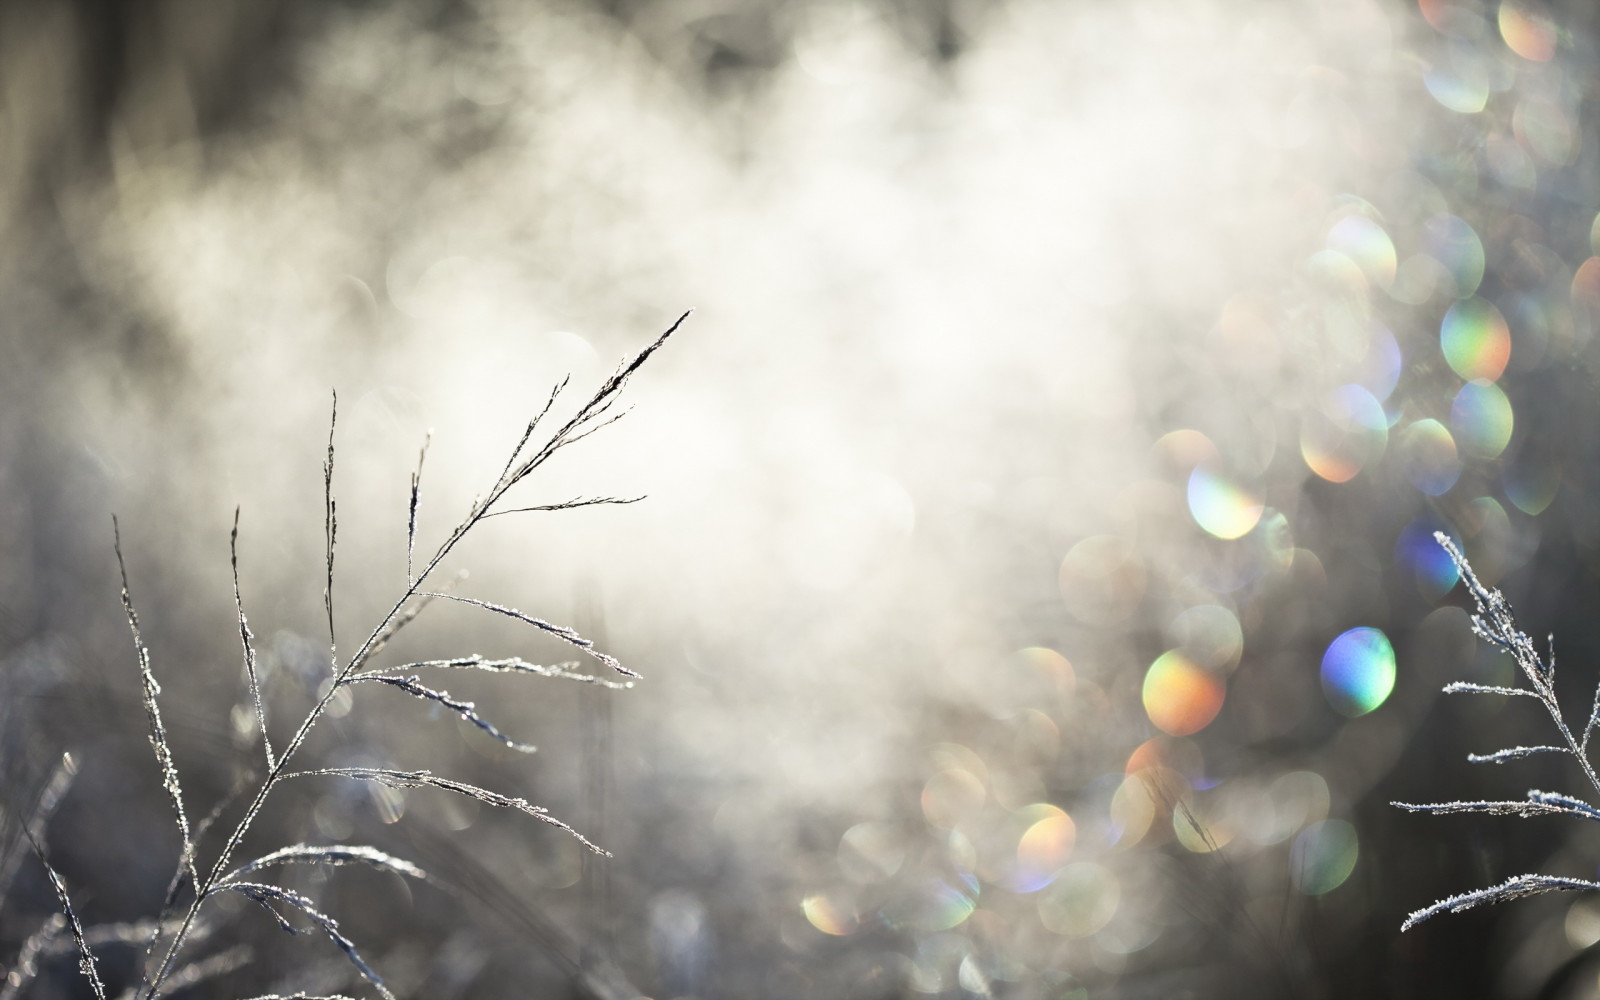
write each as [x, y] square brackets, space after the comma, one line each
[1418, 551]
[1475, 339]
[1482, 419]
[1455, 245]
[1221, 506]
[1428, 457]
[1180, 697]
[1044, 847]
[1323, 856]
[1368, 247]
[1348, 431]
[1527, 33]
[1531, 484]
[1358, 671]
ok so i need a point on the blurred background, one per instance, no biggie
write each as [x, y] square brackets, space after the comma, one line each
[1036, 594]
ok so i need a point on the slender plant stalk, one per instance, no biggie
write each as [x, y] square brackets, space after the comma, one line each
[590, 417]
[1496, 623]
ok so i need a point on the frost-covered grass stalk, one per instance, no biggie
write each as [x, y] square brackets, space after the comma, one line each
[196, 882]
[1496, 623]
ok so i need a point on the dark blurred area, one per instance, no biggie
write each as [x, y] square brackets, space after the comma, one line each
[1036, 593]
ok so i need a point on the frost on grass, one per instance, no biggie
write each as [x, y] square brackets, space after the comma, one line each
[337, 854]
[181, 926]
[86, 960]
[426, 779]
[270, 896]
[1495, 622]
[466, 709]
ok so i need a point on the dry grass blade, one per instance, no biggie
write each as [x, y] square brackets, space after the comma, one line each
[416, 500]
[302, 996]
[568, 505]
[337, 854]
[247, 639]
[509, 665]
[86, 959]
[562, 632]
[170, 900]
[266, 895]
[158, 732]
[527, 432]
[1536, 804]
[405, 608]
[427, 779]
[587, 419]
[1511, 753]
[1496, 623]
[1511, 888]
[466, 709]
[404, 617]
[1467, 687]
[330, 530]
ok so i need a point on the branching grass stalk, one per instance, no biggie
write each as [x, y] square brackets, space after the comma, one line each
[590, 417]
[1495, 622]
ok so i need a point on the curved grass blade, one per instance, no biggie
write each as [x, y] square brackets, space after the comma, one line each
[158, 731]
[86, 959]
[1511, 888]
[266, 895]
[427, 779]
[337, 854]
[510, 665]
[1537, 804]
[562, 632]
[466, 709]
[246, 638]
[1512, 753]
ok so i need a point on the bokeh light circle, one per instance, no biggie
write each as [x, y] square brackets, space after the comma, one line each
[1221, 506]
[1082, 900]
[1428, 457]
[1180, 697]
[1417, 550]
[1323, 856]
[1529, 35]
[1209, 635]
[1481, 417]
[1358, 671]
[829, 916]
[1475, 339]
[1366, 244]
[1348, 431]
[1585, 296]
[1455, 246]
[1531, 484]
[1043, 848]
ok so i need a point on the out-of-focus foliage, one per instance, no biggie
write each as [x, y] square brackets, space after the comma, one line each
[1037, 593]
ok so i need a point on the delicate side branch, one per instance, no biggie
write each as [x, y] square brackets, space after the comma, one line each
[86, 959]
[267, 895]
[247, 639]
[1511, 888]
[158, 731]
[562, 632]
[426, 779]
[1495, 622]
[466, 709]
[416, 499]
[330, 530]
